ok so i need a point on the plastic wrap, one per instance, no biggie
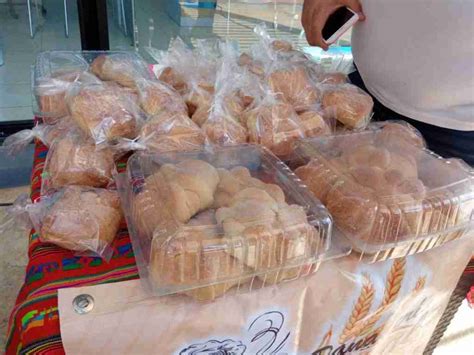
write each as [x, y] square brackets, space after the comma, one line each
[348, 104]
[82, 219]
[104, 112]
[167, 132]
[123, 68]
[73, 160]
[53, 73]
[293, 84]
[205, 222]
[386, 202]
[156, 97]
[46, 133]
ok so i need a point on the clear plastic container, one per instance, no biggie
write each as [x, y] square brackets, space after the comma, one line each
[388, 194]
[54, 71]
[207, 223]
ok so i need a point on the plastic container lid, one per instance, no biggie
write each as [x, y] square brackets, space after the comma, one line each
[387, 193]
[205, 222]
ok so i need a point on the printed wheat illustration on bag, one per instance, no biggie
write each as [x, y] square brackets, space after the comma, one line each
[362, 321]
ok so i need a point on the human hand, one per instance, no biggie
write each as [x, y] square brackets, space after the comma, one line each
[316, 13]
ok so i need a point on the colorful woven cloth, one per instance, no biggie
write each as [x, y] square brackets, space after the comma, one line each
[34, 321]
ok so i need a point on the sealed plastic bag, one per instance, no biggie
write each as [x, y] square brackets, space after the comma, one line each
[78, 218]
[122, 68]
[104, 112]
[74, 160]
[166, 132]
[293, 84]
[17, 142]
[348, 104]
[156, 97]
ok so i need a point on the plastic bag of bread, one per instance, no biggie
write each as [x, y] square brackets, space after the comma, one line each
[123, 68]
[166, 132]
[46, 133]
[348, 104]
[385, 201]
[78, 218]
[208, 223]
[292, 84]
[74, 160]
[104, 112]
[276, 125]
[53, 73]
[156, 97]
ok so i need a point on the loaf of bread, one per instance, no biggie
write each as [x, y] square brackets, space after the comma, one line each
[156, 97]
[313, 124]
[169, 132]
[348, 104]
[121, 68]
[294, 86]
[104, 112]
[275, 126]
[180, 262]
[82, 219]
[74, 161]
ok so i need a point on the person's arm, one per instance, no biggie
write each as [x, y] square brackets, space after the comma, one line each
[316, 13]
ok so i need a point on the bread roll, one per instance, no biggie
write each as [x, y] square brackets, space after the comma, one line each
[254, 66]
[223, 130]
[104, 113]
[282, 45]
[72, 161]
[333, 78]
[275, 126]
[82, 219]
[400, 138]
[318, 178]
[349, 105]
[237, 179]
[185, 188]
[121, 68]
[294, 86]
[172, 132]
[199, 102]
[156, 97]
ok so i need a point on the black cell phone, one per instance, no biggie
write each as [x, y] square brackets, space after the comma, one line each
[338, 23]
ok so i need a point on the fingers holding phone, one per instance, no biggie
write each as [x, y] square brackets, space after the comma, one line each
[325, 21]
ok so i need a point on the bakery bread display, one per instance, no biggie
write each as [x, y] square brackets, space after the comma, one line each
[348, 104]
[122, 68]
[72, 160]
[81, 219]
[206, 223]
[379, 196]
[103, 112]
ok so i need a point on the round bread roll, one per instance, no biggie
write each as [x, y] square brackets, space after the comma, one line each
[82, 219]
[294, 86]
[103, 112]
[369, 155]
[400, 137]
[318, 178]
[224, 130]
[349, 105]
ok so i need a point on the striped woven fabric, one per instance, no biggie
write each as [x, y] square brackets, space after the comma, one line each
[34, 321]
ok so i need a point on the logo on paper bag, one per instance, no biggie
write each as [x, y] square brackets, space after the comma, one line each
[265, 337]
